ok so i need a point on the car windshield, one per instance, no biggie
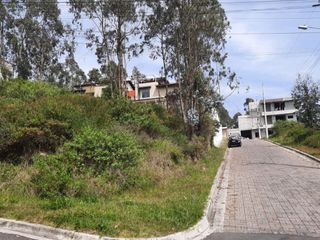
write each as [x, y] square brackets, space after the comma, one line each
[234, 135]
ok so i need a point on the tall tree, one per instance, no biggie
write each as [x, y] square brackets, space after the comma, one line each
[35, 36]
[246, 105]
[306, 96]
[95, 76]
[137, 75]
[114, 21]
[224, 116]
[235, 122]
[193, 35]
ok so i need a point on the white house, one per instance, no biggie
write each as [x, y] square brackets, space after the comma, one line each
[259, 119]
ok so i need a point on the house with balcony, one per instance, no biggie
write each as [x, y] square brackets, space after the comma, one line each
[148, 90]
[91, 89]
[260, 118]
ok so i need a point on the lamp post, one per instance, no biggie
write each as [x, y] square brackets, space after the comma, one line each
[316, 5]
[306, 27]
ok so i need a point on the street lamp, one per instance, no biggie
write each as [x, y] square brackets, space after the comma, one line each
[316, 5]
[306, 27]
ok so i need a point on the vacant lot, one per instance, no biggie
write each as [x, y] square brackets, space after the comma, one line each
[101, 166]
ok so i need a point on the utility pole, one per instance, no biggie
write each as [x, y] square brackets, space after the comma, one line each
[265, 112]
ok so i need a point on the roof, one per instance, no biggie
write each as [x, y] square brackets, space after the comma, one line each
[169, 85]
[131, 84]
[86, 84]
[285, 99]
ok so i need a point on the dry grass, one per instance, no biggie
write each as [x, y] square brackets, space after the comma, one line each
[312, 151]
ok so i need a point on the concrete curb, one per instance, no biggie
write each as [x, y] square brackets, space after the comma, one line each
[297, 151]
[201, 230]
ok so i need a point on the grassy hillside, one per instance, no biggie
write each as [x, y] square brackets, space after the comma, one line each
[298, 136]
[103, 166]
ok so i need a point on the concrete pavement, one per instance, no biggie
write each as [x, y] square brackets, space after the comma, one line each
[271, 190]
[5, 236]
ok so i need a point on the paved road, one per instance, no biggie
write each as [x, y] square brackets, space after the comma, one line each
[4, 236]
[271, 190]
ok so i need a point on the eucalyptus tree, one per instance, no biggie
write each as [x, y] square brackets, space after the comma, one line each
[136, 75]
[114, 21]
[94, 75]
[193, 34]
[5, 71]
[35, 36]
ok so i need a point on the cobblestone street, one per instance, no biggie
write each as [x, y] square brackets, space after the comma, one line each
[272, 190]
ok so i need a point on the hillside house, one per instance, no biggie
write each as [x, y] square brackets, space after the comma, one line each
[254, 125]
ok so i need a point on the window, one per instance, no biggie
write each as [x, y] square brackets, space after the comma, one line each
[144, 93]
[290, 117]
[269, 119]
[279, 106]
[268, 107]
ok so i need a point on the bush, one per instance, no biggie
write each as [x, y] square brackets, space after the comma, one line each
[299, 133]
[313, 140]
[116, 152]
[53, 177]
[196, 148]
[27, 90]
[282, 127]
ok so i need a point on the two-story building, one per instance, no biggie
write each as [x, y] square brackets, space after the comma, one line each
[146, 90]
[150, 90]
[262, 117]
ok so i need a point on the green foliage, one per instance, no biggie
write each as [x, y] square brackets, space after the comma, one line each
[57, 203]
[52, 178]
[27, 90]
[101, 151]
[313, 140]
[196, 148]
[168, 147]
[290, 132]
[75, 155]
[306, 96]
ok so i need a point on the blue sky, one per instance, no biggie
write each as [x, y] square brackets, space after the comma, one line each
[264, 46]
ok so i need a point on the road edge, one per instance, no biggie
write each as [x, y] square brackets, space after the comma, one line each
[295, 150]
[202, 229]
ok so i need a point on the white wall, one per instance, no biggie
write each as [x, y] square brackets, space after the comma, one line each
[98, 91]
[248, 123]
[218, 138]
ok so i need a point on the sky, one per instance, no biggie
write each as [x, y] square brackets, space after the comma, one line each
[264, 46]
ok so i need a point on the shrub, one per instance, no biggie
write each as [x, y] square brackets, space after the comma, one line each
[19, 144]
[196, 148]
[313, 140]
[27, 90]
[52, 178]
[282, 127]
[299, 133]
[101, 151]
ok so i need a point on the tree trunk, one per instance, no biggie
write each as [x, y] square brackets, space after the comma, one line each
[163, 53]
[119, 56]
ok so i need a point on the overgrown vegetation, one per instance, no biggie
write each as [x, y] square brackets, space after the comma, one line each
[105, 166]
[306, 97]
[298, 135]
